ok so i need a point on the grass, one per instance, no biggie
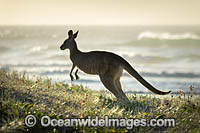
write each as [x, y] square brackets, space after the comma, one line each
[20, 96]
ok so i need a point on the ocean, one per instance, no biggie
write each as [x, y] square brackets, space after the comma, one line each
[168, 57]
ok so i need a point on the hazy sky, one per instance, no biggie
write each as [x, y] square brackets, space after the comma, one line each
[99, 12]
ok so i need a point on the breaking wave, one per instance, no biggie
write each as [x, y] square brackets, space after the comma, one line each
[167, 36]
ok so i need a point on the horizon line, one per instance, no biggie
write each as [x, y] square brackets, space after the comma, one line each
[99, 25]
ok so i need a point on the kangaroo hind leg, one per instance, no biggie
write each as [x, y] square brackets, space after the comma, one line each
[108, 82]
[120, 91]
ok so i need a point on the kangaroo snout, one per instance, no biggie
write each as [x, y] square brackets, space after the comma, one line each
[62, 48]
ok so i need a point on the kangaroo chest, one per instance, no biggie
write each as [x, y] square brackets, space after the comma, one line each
[90, 65]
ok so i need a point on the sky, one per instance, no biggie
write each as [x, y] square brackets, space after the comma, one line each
[99, 12]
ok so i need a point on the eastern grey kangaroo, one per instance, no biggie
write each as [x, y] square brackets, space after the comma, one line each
[108, 66]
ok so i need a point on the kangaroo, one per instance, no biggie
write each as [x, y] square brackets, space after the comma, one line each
[107, 65]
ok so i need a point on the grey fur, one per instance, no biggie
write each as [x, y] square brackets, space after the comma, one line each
[107, 65]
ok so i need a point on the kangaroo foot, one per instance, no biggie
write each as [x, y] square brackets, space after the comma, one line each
[123, 100]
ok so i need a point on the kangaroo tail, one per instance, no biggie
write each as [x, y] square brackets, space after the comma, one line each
[135, 74]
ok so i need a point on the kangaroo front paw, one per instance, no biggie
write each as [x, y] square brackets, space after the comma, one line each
[72, 78]
[77, 77]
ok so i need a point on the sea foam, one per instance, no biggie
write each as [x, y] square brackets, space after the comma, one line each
[167, 36]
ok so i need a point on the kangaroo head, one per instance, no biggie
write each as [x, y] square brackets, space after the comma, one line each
[70, 42]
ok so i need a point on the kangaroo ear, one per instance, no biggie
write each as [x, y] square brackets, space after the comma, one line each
[75, 34]
[70, 33]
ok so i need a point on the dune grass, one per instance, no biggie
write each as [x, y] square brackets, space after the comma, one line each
[20, 96]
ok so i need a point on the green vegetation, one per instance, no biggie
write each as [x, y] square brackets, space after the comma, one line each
[20, 96]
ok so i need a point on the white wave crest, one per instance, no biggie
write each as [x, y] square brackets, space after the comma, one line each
[167, 36]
